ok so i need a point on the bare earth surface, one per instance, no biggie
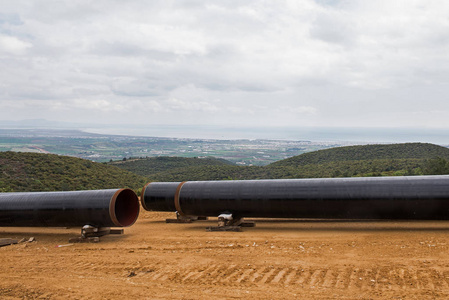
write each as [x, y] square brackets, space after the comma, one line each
[286, 259]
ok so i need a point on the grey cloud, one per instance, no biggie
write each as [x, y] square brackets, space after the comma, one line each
[333, 29]
[135, 88]
[127, 49]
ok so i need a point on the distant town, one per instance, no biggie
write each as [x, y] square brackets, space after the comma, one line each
[103, 148]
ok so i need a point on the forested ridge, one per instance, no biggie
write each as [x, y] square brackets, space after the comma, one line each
[366, 160]
[150, 165]
[26, 172]
[367, 153]
[47, 172]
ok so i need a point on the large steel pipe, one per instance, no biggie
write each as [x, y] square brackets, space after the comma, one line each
[159, 196]
[413, 197]
[98, 208]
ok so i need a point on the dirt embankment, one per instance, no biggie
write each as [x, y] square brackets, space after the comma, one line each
[277, 259]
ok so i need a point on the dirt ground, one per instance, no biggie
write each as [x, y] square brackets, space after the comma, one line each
[277, 259]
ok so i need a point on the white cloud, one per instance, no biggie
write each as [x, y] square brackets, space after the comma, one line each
[182, 105]
[295, 63]
[13, 45]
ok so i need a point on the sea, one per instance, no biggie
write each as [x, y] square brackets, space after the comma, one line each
[361, 135]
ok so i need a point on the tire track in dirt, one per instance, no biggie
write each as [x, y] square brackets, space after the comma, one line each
[382, 278]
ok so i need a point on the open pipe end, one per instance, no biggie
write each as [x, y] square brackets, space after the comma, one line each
[124, 208]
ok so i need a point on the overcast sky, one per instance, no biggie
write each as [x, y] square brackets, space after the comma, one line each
[249, 63]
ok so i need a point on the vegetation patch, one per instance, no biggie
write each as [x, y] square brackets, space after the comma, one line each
[368, 160]
[26, 172]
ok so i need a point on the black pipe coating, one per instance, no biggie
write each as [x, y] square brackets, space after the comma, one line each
[98, 208]
[159, 196]
[405, 197]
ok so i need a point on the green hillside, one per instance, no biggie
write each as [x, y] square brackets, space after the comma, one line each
[368, 160]
[48, 172]
[152, 165]
[367, 152]
[29, 172]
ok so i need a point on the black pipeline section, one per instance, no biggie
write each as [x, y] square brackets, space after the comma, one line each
[159, 196]
[409, 197]
[98, 208]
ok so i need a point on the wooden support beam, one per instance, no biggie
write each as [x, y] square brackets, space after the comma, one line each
[7, 242]
[224, 228]
[178, 220]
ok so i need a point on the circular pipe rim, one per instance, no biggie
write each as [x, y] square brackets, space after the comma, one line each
[132, 208]
[142, 196]
[177, 196]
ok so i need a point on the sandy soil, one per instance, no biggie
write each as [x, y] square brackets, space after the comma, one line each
[287, 259]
